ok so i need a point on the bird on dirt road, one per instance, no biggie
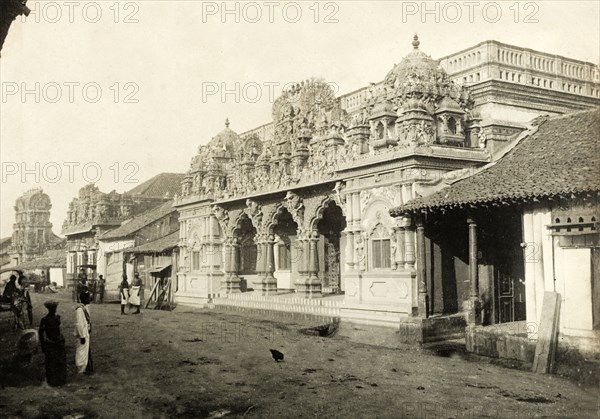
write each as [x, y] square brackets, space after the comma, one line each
[277, 356]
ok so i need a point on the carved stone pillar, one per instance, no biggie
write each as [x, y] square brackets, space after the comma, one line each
[409, 245]
[260, 256]
[399, 254]
[356, 210]
[474, 312]
[349, 250]
[234, 267]
[269, 283]
[225, 282]
[313, 283]
[421, 272]
[302, 257]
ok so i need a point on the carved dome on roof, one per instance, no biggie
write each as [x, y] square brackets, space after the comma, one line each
[225, 142]
[414, 68]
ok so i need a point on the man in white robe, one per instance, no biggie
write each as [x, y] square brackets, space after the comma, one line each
[83, 328]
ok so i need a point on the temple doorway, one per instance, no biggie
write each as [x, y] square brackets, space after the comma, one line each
[330, 227]
[286, 251]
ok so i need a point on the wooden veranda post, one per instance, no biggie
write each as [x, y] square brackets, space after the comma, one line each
[474, 313]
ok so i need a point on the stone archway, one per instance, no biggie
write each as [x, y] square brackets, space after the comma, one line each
[244, 269]
[329, 225]
[287, 252]
[325, 221]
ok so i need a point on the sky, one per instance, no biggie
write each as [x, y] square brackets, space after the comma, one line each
[115, 92]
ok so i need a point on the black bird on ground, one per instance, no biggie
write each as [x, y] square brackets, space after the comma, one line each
[277, 356]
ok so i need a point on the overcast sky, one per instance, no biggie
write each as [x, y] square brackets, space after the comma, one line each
[161, 66]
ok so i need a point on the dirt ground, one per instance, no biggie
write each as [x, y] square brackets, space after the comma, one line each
[206, 363]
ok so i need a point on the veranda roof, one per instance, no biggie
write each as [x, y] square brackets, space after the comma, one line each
[561, 156]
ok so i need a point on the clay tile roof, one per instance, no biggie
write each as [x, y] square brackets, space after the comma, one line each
[45, 263]
[560, 157]
[159, 186]
[157, 246]
[138, 222]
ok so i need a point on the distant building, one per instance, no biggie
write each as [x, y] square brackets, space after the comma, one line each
[4, 252]
[32, 231]
[94, 213]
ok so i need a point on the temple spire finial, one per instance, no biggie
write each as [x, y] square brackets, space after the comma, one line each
[226, 122]
[415, 42]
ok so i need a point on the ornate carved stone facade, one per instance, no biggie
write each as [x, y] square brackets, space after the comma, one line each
[32, 230]
[307, 199]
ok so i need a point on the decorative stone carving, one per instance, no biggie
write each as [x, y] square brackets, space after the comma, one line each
[222, 217]
[340, 199]
[253, 211]
[295, 206]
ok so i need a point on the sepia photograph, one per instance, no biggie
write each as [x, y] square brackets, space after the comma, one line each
[299, 209]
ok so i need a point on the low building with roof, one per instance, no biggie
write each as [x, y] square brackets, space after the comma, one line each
[94, 213]
[492, 243]
[157, 264]
[113, 256]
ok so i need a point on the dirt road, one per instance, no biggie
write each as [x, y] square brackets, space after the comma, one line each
[205, 363]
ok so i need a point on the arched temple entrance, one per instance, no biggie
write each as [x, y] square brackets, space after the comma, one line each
[286, 250]
[330, 224]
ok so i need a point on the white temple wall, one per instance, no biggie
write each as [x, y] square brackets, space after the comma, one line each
[549, 267]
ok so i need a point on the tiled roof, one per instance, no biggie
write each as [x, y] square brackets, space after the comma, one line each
[157, 246]
[139, 221]
[161, 185]
[45, 263]
[5, 241]
[560, 157]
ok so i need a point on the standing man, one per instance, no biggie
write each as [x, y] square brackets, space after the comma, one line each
[93, 289]
[124, 291]
[53, 346]
[83, 329]
[101, 285]
[81, 283]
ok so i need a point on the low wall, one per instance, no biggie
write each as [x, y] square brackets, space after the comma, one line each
[496, 342]
[419, 330]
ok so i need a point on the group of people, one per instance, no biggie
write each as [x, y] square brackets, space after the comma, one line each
[95, 287]
[131, 295]
[53, 342]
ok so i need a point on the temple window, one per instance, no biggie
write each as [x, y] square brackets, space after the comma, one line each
[380, 131]
[381, 253]
[452, 125]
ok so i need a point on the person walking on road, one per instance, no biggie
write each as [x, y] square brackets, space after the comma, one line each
[124, 291]
[83, 329]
